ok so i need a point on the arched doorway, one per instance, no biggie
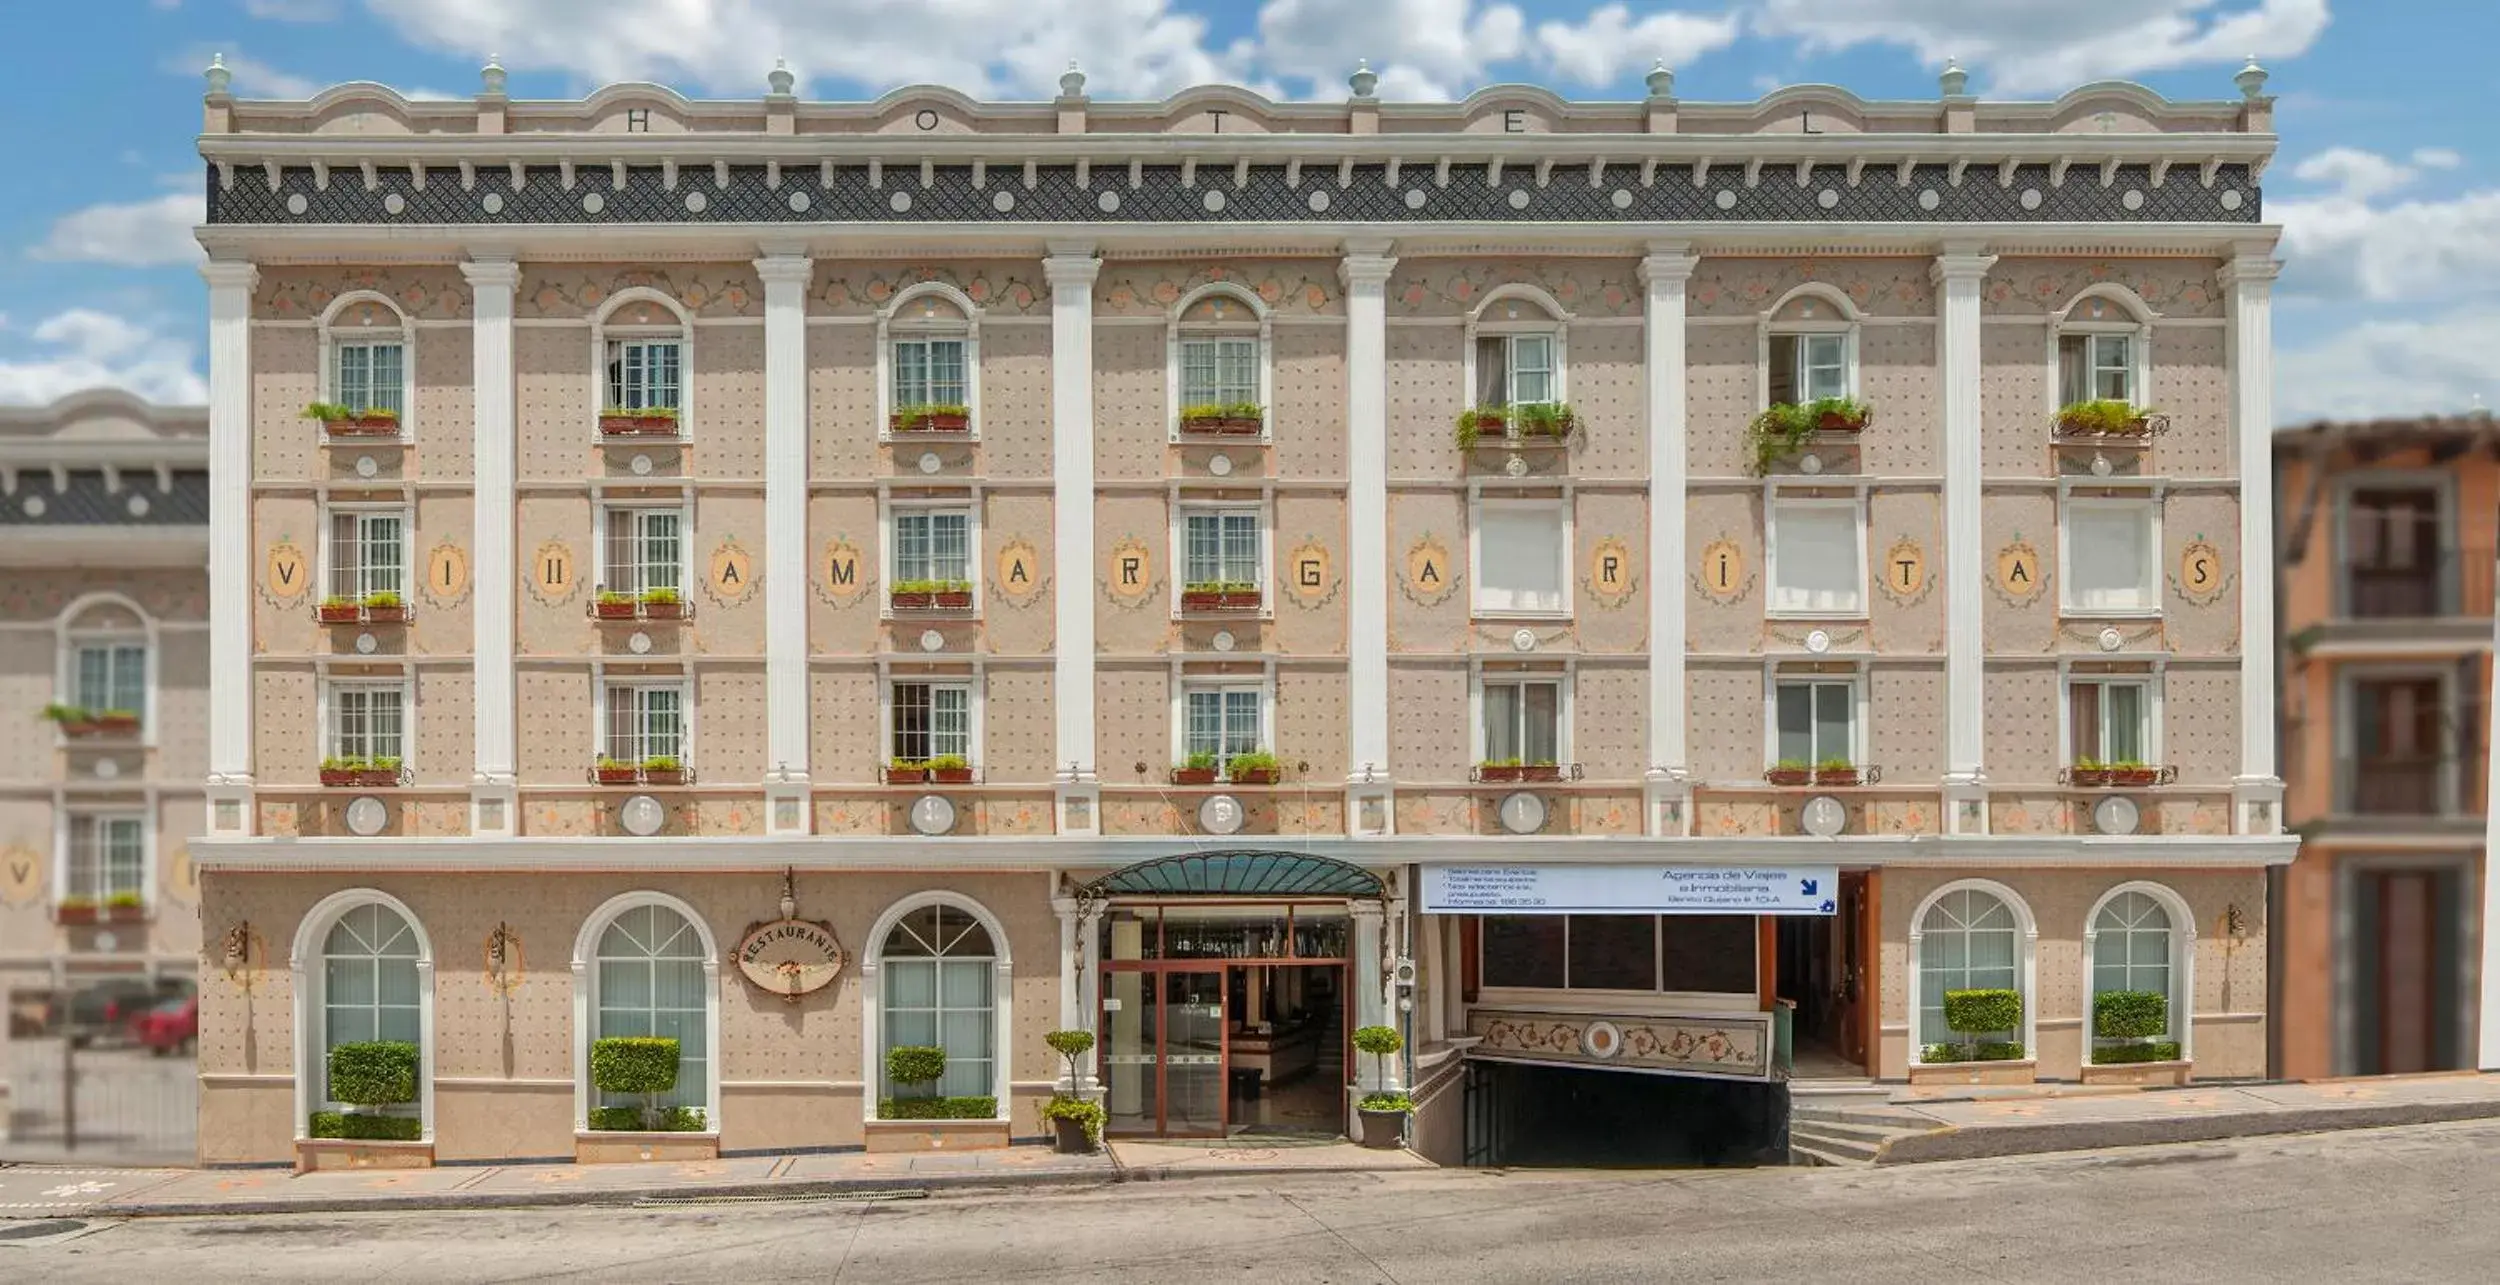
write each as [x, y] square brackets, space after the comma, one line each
[1229, 985]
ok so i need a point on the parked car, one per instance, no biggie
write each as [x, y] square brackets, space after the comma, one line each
[171, 1027]
[100, 1012]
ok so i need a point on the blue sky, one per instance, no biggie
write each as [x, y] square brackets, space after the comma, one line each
[2385, 183]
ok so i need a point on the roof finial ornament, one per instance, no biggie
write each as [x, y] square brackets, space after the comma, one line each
[1364, 80]
[1955, 82]
[220, 80]
[1072, 81]
[1661, 80]
[2251, 80]
[490, 77]
[781, 80]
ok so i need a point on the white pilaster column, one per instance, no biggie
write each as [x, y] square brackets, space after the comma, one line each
[1076, 970]
[1089, 993]
[1369, 803]
[2488, 1037]
[785, 278]
[1071, 269]
[230, 546]
[1371, 1000]
[1668, 782]
[1960, 270]
[494, 571]
[2257, 793]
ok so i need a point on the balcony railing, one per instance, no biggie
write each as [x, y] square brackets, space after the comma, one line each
[2449, 583]
[2434, 785]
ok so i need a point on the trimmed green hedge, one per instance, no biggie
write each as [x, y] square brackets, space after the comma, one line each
[937, 1108]
[367, 1128]
[1983, 1012]
[915, 1064]
[629, 1120]
[2130, 1015]
[2123, 1054]
[1983, 1051]
[634, 1064]
[374, 1073]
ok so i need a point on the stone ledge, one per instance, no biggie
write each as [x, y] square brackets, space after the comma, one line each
[2020, 1071]
[2140, 1073]
[936, 1135]
[620, 1146]
[314, 1155]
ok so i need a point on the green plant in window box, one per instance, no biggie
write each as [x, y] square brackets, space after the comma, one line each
[1973, 1013]
[906, 771]
[2088, 772]
[2133, 772]
[2105, 417]
[915, 1069]
[949, 769]
[616, 771]
[661, 602]
[1231, 418]
[340, 608]
[1835, 771]
[125, 901]
[383, 605]
[1790, 772]
[643, 1065]
[1195, 768]
[930, 417]
[75, 909]
[1783, 429]
[667, 414]
[1254, 767]
[1542, 419]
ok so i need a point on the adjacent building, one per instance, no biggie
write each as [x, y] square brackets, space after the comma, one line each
[2387, 637]
[104, 665]
[811, 578]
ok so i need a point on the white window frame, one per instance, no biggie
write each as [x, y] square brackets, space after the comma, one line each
[1482, 679]
[1509, 312]
[969, 505]
[1587, 1000]
[332, 688]
[677, 327]
[2026, 967]
[684, 687]
[1844, 322]
[71, 636]
[1773, 501]
[1478, 505]
[586, 1002]
[872, 996]
[65, 825]
[311, 1040]
[899, 322]
[341, 328]
[2121, 312]
[1265, 557]
[1259, 325]
[971, 685]
[2150, 507]
[2182, 963]
[2151, 682]
[329, 545]
[1263, 684]
[1775, 678]
[616, 510]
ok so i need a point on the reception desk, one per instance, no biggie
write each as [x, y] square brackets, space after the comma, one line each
[1278, 1056]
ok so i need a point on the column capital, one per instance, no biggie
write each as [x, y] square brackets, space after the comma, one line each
[1066, 267]
[228, 274]
[2254, 264]
[491, 272]
[784, 269]
[1367, 910]
[1367, 263]
[1667, 262]
[1961, 262]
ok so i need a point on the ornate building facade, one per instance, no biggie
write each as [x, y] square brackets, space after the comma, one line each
[1220, 573]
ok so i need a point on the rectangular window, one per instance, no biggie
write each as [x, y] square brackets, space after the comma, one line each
[368, 376]
[1514, 370]
[932, 719]
[112, 676]
[1808, 367]
[368, 722]
[928, 372]
[1663, 954]
[646, 722]
[1519, 558]
[107, 857]
[368, 553]
[932, 544]
[1816, 721]
[644, 374]
[2109, 556]
[1219, 372]
[1816, 568]
[2095, 367]
[1221, 547]
[1523, 720]
[646, 550]
[2109, 720]
[1222, 721]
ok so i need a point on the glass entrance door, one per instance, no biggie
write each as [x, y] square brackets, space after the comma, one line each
[1163, 1054]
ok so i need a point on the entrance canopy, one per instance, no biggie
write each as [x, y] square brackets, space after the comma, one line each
[1239, 873]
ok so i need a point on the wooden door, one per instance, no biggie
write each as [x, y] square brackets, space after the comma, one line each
[2408, 972]
[1854, 948]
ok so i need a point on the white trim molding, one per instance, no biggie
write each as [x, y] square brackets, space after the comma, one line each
[306, 978]
[495, 572]
[2257, 792]
[1667, 784]
[586, 999]
[2182, 998]
[893, 325]
[1365, 272]
[231, 570]
[787, 709]
[1961, 271]
[1178, 331]
[1075, 781]
[872, 996]
[2026, 951]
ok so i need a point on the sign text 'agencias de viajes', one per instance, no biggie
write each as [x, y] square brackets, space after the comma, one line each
[1651, 889]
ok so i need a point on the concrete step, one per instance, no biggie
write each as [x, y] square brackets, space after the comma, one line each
[1855, 1150]
[1810, 1153]
[1877, 1117]
[1835, 1130]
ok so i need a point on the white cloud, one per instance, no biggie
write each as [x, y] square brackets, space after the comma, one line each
[252, 77]
[136, 234]
[83, 348]
[2348, 244]
[2354, 172]
[2437, 158]
[1610, 43]
[1423, 49]
[2435, 365]
[2047, 46]
[292, 10]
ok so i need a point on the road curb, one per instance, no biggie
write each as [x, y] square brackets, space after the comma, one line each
[1983, 1142]
[785, 1189]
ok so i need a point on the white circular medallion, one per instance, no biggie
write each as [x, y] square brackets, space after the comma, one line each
[1221, 814]
[295, 203]
[1827, 198]
[1222, 641]
[1809, 464]
[2116, 814]
[592, 202]
[492, 203]
[1318, 201]
[1003, 201]
[932, 640]
[1415, 198]
[1929, 198]
[367, 644]
[799, 201]
[1823, 816]
[900, 202]
[1518, 198]
[640, 464]
[367, 815]
[1726, 199]
[1521, 812]
[932, 814]
[1818, 642]
[1220, 465]
[1622, 198]
[642, 816]
[1523, 640]
[107, 769]
[138, 506]
[1213, 200]
[2133, 199]
[1601, 1040]
[639, 643]
[1108, 202]
[2031, 198]
[34, 506]
[930, 462]
[2231, 200]
[1516, 466]
[367, 466]
[696, 202]
[2112, 640]
[107, 942]
[2101, 467]
[394, 204]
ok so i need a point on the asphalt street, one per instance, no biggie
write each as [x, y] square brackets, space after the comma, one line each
[2392, 1204]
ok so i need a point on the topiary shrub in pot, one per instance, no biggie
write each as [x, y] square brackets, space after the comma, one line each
[1076, 1122]
[2127, 1027]
[371, 1076]
[642, 1065]
[1975, 1013]
[1384, 1112]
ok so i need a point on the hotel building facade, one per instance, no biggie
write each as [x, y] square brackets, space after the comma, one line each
[1220, 573]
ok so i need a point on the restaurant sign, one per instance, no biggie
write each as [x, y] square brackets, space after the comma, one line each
[1638, 889]
[791, 957]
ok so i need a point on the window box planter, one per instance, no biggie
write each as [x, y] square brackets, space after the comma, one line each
[631, 424]
[1193, 776]
[663, 775]
[359, 778]
[1256, 775]
[1504, 773]
[931, 600]
[2132, 777]
[900, 774]
[1843, 421]
[1789, 776]
[115, 722]
[362, 613]
[614, 608]
[950, 775]
[81, 724]
[83, 913]
[1843, 776]
[2110, 421]
[664, 609]
[1224, 425]
[361, 426]
[929, 421]
[1220, 599]
[1514, 427]
[613, 775]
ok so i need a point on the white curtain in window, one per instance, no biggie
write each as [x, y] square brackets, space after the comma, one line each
[1519, 559]
[2131, 949]
[368, 982]
[107, 857]
[2109, 558]
[650, 983]
[1967, 942]
[940, 968]
[1815, 562]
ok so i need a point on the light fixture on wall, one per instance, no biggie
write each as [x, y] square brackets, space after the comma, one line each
[503, 959]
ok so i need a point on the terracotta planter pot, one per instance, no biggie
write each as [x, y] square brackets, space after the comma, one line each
[2087, 777]
[2140, 426]
[906, 775]
[913, 600]
[337, 777]
[2134, 777]
[1493, 424]
[1541, 772]
[1834, 422]
[77, 914]
[613, 610]
[1495, 775]
[1256, 775]
[78, 729]
[950, 775]
[375, 778]
[948, 423]
[1836, 776]
[347, 615]
[638, 425]
[1193, 776]
[1789, 776]
[1227, 425]
[617, 775]
[386, 615]
[664, 610]
[952, 600]
[361, 426]
[664, 776]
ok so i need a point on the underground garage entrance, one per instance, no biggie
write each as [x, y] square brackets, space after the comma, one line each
[1525, 1115]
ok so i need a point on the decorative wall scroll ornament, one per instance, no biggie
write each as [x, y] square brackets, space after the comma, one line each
[286, 574]
[2203, 575]
[1904, 578]
[1430, 574]
[1610, 580]
[554, 574]
[1601, 1039]
[1311, 575]
[1129, 573]
[507, 966]
[2146, 636]
[1021, 578]
[2020, 576]
[1805, 641]
[21, 875]
[731, 576]
[446, 575]
[1721, 575]
[789, 956]
[841, 576]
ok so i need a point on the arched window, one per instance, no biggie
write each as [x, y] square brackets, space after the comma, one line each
[1809, 347]
[940, 967]
[2140, 938]
[107, 668]
[368, 356]
[1218, 362]
[929, 348]
[363, 973]
[1516, 349]
[1968, 936]
[2100, 346]
[645, 965]
[642, 344]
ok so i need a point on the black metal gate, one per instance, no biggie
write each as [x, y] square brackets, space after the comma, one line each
[1485, 1124]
